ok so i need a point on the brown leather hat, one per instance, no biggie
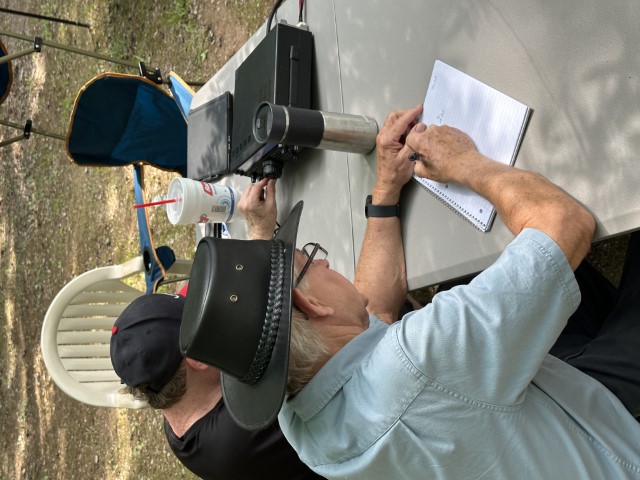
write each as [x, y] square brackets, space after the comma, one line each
[237, 318]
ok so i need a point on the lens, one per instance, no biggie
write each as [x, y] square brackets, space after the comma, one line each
[270, 123]
[263, 123]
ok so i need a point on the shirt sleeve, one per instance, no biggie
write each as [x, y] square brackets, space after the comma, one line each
[487, 340]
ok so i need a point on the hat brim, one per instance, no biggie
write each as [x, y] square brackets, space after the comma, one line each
[256, 406]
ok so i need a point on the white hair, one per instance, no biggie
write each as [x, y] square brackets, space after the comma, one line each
[307, 348]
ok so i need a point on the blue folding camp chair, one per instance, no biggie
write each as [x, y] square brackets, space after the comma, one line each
[121, 120]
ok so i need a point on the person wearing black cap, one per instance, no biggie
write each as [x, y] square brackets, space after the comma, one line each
[145, 354]
[462, 388]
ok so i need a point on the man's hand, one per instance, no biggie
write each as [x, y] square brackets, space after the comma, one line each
[258, 205]
[522, 199]
[394, 168]
[441, 151]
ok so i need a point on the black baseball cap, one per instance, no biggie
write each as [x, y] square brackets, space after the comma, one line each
[145, 341]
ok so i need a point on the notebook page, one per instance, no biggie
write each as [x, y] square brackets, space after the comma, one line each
[493, 120]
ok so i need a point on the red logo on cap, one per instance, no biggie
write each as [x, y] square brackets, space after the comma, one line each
[114, 330]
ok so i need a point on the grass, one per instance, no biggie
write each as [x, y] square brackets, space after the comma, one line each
[178, 15]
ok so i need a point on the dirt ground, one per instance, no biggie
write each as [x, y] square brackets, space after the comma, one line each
[58, 220]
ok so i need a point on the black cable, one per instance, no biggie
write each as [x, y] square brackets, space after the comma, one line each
[272, 14]
[300, 7]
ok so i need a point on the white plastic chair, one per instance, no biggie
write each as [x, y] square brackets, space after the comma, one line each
[77, 330]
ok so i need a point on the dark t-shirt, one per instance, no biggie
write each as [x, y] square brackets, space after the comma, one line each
[215, 447]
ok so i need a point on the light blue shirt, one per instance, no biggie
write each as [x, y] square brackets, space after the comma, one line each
[464, 388]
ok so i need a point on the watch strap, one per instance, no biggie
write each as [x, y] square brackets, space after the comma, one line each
[380, 211]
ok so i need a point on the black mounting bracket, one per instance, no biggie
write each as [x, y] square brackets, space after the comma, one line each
[155, 76]
[26, 133]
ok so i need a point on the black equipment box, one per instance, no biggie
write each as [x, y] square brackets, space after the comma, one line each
[277, 71]
[220, 132]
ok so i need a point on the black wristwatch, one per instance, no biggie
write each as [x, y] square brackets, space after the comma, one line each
[371, 210]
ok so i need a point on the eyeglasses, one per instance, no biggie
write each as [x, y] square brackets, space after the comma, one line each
[311, 251]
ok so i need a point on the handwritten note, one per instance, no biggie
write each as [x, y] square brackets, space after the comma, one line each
[495, 122]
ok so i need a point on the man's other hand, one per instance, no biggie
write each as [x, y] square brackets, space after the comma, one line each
[258, 205]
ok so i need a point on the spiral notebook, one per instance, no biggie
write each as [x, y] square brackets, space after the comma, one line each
[495, 122]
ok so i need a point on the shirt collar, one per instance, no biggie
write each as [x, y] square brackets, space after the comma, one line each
[336, 372]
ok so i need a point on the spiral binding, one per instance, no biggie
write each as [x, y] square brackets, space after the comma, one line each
[458, 209]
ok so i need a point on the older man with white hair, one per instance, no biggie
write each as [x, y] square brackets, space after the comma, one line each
[462, 388]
